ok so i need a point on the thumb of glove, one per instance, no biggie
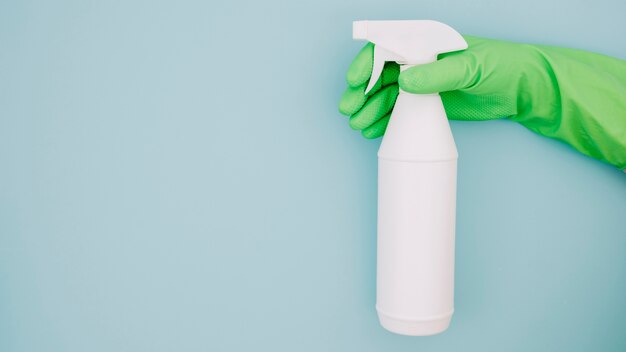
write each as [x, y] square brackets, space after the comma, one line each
[452, 72]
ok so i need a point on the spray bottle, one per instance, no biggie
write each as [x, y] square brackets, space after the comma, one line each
[417, 165]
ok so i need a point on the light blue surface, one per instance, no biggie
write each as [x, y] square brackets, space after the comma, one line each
[176, 177]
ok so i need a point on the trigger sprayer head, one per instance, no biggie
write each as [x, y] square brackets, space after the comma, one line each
[406, 42]
[359, 30]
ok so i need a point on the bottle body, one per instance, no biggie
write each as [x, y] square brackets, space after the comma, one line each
[416, 218]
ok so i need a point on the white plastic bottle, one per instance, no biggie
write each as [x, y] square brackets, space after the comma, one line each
[417, 164]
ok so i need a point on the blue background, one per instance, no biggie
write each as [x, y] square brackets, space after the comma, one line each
[175, 176]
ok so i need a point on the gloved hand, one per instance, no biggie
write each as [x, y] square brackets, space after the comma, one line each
[570, 95]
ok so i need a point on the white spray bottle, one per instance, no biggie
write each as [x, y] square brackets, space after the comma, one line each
[417, 163]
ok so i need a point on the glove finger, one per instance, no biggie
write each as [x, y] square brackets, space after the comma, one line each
[377, 106]
[377, 129]
[455, 71]
[390, 73]
[360, 69]
[463, 106]
[352, 100]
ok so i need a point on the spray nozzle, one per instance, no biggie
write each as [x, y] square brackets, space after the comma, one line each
[406, 42]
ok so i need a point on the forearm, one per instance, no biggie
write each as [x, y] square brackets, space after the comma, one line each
[589, 109]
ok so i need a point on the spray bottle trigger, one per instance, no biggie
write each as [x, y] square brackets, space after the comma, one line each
[381, 55]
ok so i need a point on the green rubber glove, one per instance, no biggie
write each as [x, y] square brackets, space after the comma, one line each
[570, 95]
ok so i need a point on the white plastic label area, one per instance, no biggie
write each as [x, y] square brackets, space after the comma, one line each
[417, 164]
